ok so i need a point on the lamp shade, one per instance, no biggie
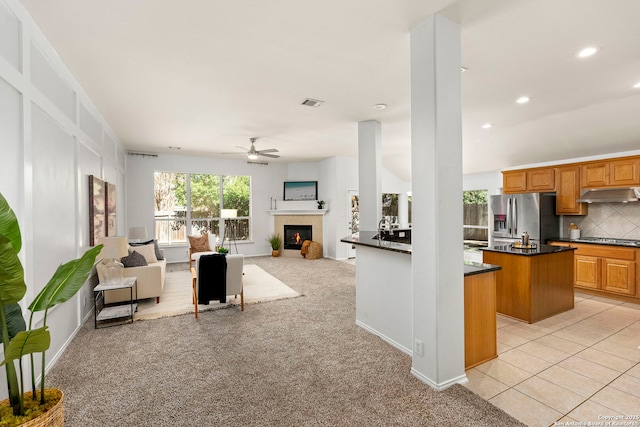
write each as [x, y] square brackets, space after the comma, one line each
[137, 233]
[114, 247]
[229, 213]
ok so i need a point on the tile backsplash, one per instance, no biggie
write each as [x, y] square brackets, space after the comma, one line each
[615, 220]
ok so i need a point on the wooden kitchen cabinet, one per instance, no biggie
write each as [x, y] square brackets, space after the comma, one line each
[541, 179]
[624, 172]
[568, 191]
[607, 270]
[514, 182]
[619, 276]
[529, 180]
[586, 271]
[615, 173]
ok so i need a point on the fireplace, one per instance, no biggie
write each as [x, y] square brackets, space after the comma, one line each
[294, 235]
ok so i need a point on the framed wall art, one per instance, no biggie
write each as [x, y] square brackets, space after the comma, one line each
[97, 204]
[301, 190]
[111, 209]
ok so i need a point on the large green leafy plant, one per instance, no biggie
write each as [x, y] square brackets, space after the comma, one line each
[17, 339]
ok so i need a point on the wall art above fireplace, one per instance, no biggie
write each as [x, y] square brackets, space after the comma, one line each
[301, 190]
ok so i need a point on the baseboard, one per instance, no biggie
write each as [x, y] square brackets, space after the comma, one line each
[385, 338]
[462, 379]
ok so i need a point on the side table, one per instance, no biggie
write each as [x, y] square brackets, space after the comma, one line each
[102, 312]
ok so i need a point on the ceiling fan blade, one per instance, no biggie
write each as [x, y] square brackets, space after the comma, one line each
[268, 150]
[242, 148]
[273, 156]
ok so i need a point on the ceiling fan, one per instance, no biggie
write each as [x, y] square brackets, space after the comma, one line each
[253, 154]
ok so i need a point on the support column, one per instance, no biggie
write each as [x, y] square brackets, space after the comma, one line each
[436, 165]
[369, 173]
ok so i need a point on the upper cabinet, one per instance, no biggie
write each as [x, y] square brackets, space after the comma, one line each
[614, 173]
[529, 180]
[514, 182]
[541, 179]
[570, 179]
[568, 191]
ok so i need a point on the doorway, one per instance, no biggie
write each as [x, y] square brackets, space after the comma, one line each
[354, 218]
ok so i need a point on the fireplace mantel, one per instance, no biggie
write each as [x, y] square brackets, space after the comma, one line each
[298, 212]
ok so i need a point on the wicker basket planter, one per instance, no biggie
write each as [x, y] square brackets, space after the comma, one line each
[314, 251]
[54, 417]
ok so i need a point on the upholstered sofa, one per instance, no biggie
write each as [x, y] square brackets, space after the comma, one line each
[149, 284]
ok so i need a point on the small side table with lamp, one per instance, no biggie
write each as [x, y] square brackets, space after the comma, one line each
[114, 249]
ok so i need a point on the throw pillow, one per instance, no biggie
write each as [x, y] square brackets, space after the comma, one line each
[199, 243]
[155, 247]
[134, 259]
[147, 251]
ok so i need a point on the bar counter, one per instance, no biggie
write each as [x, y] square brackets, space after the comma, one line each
[384, 297]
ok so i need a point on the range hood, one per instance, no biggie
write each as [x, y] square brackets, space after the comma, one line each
[609, 195]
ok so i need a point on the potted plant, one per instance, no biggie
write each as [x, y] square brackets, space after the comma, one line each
[223, 250]
[17, 339]
[276, 243]
[320, 204]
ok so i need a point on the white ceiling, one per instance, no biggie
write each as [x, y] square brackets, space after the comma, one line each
[206, 75]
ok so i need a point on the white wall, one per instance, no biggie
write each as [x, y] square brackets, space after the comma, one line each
[51, 138]
[490, 181]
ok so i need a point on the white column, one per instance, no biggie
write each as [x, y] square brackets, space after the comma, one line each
[436, 164]
[369, 173]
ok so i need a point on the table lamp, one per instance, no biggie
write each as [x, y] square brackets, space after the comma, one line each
[114, 249]
[137, 233]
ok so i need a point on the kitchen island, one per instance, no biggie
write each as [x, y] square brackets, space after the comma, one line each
[384, 297]
[534, 283]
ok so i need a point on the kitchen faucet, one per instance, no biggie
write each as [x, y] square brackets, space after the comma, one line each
[383, 220]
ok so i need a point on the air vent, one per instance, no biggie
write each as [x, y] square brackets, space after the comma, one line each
[258, 163]
[312, 102]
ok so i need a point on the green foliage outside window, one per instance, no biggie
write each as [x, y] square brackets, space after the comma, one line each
[475, 197]
[174, 215]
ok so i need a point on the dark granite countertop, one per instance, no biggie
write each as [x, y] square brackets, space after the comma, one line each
[471, 268]
[366, 238]
[629, 243]
[539, 250]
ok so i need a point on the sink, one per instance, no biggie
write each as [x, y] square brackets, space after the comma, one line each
[392, 238]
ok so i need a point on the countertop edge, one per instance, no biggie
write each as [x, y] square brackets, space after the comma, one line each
[541, 250]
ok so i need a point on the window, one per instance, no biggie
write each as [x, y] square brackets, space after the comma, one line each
[190, 204]
[390, 207]
[476, 219]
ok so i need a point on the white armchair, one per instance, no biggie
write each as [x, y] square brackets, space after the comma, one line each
[234, 283]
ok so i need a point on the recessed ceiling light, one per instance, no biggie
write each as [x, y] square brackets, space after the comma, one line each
[636, 86]
[463, 69]
[380, 106]
[487, 126]
[587, 51]
[523, 100]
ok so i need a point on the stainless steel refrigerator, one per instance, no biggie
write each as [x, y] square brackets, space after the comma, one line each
[513, 214]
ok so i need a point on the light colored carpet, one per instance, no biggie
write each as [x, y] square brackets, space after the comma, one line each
[259, 286]
[296, 362]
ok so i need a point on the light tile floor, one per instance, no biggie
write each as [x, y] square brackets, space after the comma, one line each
[576, 368]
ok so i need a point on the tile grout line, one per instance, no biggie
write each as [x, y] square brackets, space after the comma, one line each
[575, 354]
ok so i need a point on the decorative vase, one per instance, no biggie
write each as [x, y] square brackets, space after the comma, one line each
[54, 417]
